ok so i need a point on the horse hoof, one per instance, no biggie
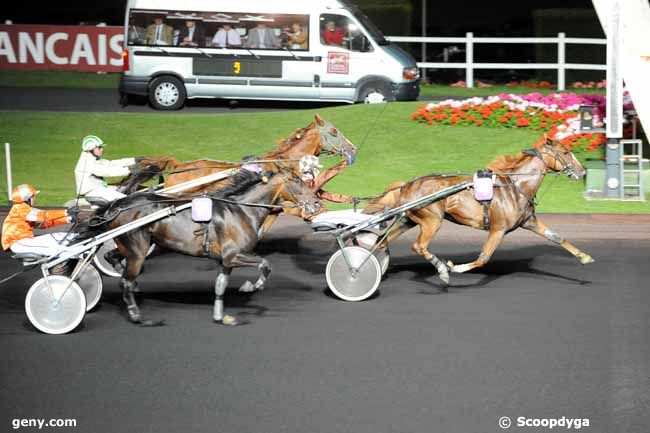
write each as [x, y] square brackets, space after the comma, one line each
[444, 277]
[586, 259]
[152, 323]
[229, 320]
[247, 287]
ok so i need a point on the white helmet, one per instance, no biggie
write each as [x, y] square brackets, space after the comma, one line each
[90, 142]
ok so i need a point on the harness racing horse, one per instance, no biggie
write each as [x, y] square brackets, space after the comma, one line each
[513, 205]
[317, 138]
[229, 237]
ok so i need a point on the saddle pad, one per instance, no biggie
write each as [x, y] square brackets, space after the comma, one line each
[201, 209]
[483, 188]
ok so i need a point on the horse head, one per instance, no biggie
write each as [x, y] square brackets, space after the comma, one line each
[333, 141]
[560, 159]
[293, 193]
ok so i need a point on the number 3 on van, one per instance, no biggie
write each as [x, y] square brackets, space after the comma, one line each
[236, 68]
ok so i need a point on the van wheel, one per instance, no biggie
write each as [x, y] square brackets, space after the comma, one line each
[167, 93]
[376, 93]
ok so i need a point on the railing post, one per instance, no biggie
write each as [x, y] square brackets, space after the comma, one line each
[469, 60]
[561, 61]
[8, 161]
[423, 73]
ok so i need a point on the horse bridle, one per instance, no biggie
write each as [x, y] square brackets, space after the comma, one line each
[334, 143]
[567, 168]
[302, 204]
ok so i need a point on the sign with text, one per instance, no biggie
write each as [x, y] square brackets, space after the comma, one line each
[338, 63]
[62, 48]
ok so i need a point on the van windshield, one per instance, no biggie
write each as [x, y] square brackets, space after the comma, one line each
[370, 27]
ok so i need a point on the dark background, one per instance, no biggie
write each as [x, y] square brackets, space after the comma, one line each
[512, 17]
[539, 18]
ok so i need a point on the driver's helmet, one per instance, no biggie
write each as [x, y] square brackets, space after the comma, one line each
[23, 193]
[90, 142]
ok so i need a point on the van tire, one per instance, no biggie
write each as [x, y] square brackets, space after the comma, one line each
[376, 92]
[167, 93]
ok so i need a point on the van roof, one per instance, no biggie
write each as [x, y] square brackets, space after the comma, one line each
[275, 6]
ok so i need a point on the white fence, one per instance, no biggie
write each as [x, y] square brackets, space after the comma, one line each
[469, 65]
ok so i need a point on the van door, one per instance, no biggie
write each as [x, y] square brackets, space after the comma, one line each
[348, 56]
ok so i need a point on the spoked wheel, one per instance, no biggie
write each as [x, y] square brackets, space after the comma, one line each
[368, 240]
[59, 311]
[106, 267]
[92, 285]
[355, 282]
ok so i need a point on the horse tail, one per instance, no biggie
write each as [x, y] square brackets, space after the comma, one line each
[145, 170]
[388, 200]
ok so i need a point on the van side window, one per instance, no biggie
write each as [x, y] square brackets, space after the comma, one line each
[340, 31]
[218, 30]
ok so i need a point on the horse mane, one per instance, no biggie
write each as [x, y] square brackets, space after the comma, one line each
[239, 183]
[508, 163]
[289, 142]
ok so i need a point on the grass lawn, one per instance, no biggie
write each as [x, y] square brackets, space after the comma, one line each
[442, 91]
[81, 80]
[45, 147]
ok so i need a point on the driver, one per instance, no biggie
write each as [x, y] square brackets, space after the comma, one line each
[91, 170]
[18, 227]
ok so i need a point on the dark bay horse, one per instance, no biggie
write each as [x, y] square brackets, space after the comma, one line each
[317, 138]
[229, 237]
[518, 180]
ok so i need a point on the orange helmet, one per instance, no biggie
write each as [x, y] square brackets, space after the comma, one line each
[22, 193]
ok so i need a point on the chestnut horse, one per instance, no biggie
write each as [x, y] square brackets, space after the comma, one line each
[229, 237]
[518, 180]
[319, 137]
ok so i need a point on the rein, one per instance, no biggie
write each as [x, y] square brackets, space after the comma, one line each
[98, 220]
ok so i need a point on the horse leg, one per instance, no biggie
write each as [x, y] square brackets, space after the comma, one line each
[429, 226]
[220, 285]
[135, 255]
[266, 226]
[402, 227]
[538, 227]
[242, 260]
[128, 285]
[494, 239]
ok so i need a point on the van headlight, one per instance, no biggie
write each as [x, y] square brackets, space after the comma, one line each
[411, 73]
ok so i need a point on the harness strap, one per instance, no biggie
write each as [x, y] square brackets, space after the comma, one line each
[486, 215]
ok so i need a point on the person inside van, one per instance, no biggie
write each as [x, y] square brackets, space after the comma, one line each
[191, 35]
[297, 37]
[226, 36]
[262, 37]
[332, 35]
[158, 33]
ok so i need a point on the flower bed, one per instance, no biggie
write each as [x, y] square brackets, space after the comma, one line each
[555, 115]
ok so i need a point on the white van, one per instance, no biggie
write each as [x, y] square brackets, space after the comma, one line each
[303, 50]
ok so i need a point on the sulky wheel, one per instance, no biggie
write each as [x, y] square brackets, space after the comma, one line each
[368, 240]
[91, 283]
[104, 265]
[59, 311]
[358, 283]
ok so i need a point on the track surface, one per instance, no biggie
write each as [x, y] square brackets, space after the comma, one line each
[533, 334]
[107, 100]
